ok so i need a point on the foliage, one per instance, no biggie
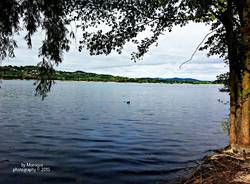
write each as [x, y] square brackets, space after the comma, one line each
[32, 72]
[125, 19]
[223, 79]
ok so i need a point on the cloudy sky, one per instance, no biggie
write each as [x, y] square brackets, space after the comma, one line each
[162, 61]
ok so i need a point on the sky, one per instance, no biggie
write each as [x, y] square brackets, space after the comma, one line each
[162, 61]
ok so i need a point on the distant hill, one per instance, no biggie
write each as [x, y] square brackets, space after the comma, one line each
[31, 72]
[181, 79]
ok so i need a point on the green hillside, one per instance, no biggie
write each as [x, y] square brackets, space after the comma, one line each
[31, 72]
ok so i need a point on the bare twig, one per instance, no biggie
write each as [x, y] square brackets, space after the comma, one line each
[197, 48]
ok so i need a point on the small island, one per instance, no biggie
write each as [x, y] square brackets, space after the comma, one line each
[31, 73]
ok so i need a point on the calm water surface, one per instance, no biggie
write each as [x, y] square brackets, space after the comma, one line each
[87, 133]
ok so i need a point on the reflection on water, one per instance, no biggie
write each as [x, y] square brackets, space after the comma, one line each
[87, 133]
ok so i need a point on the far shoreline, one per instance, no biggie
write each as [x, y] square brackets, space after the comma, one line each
[32, 73]
[83, 81]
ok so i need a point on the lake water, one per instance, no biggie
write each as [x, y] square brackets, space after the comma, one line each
[85, 132]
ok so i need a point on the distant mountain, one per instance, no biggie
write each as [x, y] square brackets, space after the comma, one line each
[181, 79]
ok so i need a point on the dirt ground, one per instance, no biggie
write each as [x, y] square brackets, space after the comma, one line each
[223, 167]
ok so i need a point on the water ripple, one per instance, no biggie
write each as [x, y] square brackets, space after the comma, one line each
[86, 134]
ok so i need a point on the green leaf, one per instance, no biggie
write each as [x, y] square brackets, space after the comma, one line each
[212, 17]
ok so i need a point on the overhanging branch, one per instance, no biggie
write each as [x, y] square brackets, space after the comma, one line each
[197, 48]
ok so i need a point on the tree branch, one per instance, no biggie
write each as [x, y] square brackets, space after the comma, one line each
[197, 48]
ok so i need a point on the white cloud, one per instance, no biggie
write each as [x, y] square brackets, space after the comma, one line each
[163, 61]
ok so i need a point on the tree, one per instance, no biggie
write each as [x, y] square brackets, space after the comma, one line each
[125, 19]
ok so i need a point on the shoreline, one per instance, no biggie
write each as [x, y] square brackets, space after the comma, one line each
[89, 81]
[224, 166]
[32, 73]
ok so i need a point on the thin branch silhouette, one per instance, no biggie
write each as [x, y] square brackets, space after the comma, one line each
[197, 48]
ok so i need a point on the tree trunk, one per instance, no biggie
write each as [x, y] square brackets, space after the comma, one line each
[240, 88]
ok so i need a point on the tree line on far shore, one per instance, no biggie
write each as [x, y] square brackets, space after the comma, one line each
[31, 73]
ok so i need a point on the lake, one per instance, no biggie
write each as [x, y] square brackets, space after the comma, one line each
[85, 132]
